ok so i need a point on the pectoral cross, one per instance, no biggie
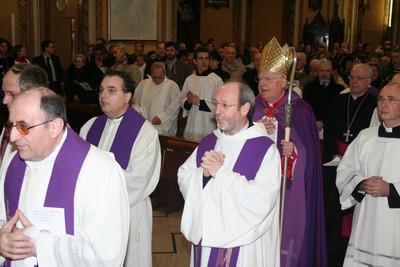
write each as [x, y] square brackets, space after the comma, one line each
[347, 134]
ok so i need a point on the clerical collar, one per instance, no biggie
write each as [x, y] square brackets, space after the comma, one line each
[388, 132]
[324, 84]
[204, 73]
[357, 97]
[248, 125]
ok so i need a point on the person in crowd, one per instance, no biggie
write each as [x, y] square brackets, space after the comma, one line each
[76, 86]
[303, 231]
[90, 53]
[121, 63]
[196, 97]
[5, 60]
[140, 61]
[176, 70]
[108, 59]
[250, 77]
[56, 193]
[373, 189]
[19, 78]
[134, 142]
[20, 54]
[320, 92]
[233, 167]
[159, 96]
[230, 65]
[302, 74]
[215, 66]
[52, 65]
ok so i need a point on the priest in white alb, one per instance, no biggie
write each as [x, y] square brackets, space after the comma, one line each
[63, 201]
[368, 179]
[231, 188]
[159, 97]
[134, 142]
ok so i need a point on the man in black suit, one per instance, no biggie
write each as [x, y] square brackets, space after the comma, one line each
[51, 64]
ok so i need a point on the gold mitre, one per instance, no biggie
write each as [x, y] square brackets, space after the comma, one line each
[276, 58]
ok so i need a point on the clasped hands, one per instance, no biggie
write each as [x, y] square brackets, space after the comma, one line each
[192, 98]
[14, 243]
[375, 186]
[211, 162]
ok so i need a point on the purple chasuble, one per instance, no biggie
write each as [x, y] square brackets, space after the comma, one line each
[62, 183]
[303, 242]
[245, 165]
[125, 137]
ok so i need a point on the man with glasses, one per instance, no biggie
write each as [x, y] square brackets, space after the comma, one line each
[231, 188]
[58, 201]
[303, 233]
[349, 113]
[195, 97]
[19, 78]
[368, 180]
[134, 142]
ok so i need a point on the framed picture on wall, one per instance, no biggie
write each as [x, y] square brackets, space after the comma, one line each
[130, 20]
[217, 3]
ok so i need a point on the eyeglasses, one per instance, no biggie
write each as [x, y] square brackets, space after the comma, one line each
[358, 78]
[225, 106]
[390, 100]
[22, 128]
[8, 93]
[110, 91]
[266, 79]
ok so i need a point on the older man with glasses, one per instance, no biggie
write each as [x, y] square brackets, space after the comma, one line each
[349, 113]
[134, 142]
[368, 180]
[19, 78]
[303, 233]
[231, 188]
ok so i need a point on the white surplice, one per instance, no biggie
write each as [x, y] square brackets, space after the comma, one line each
[375, 235]
[101, 210]
[142, 175]
[231, 211]
[159, 100]
[200, 123]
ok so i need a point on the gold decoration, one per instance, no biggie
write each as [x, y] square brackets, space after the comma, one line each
[276, 58]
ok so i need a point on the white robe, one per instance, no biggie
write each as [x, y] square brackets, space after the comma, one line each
[101, 209]
[375, 235]
[142, 175]
[200, 123]
[159, 100]
[231, 211]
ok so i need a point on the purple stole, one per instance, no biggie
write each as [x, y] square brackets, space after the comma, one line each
[61, 188]
[245, 165]
[125, 137]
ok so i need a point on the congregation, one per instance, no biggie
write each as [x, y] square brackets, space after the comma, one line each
[339, 99]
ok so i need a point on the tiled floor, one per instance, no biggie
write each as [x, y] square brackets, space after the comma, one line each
[170, 247]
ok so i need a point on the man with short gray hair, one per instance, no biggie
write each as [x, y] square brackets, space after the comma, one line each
[121, 63]
[320, 92]
[159, 96]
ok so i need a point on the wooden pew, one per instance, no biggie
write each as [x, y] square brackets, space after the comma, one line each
[78, 114]
[174, 152]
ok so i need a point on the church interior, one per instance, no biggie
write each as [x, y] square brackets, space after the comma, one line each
[75, 24]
